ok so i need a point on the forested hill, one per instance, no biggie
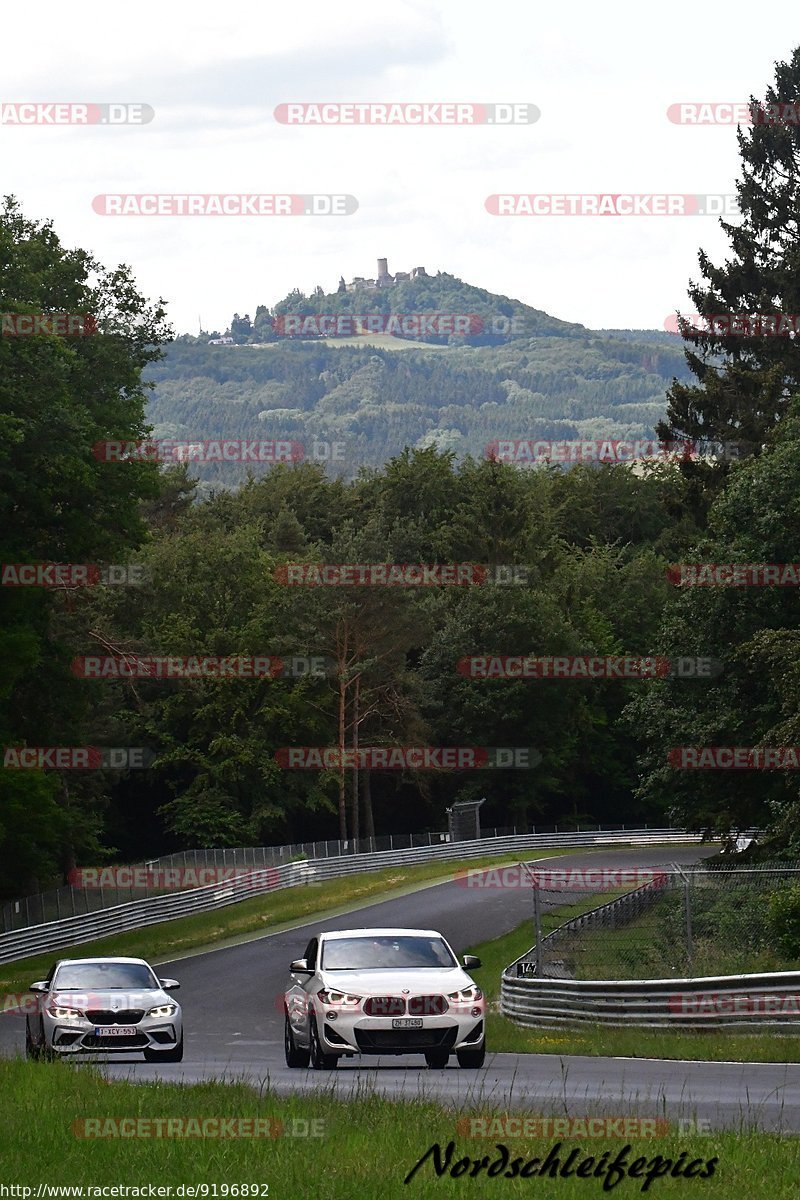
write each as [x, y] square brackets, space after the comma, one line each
[487, 319]
[374, 394]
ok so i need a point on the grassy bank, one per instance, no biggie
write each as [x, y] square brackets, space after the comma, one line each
[367, 1146]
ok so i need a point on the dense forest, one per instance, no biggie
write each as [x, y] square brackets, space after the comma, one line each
[557, 382]
[213, 571]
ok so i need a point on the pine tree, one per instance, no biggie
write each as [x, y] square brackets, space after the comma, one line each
[745, 378]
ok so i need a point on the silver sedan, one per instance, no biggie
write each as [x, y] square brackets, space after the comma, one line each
[105, 1005]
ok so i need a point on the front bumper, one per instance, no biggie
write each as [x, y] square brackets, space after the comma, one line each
[81, 1036]
[360, 1034]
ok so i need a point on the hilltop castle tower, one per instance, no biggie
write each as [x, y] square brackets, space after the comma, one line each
[384, 278]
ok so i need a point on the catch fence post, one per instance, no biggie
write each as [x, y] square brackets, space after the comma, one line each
[687, 902]
[537, 921]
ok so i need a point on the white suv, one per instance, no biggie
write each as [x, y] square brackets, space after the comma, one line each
[383, 991]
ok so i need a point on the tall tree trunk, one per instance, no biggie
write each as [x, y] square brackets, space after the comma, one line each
[366, 797]
[356, 716]
[342, 796]
[68, 860]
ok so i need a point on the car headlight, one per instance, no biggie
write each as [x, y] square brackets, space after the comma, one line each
[333, 999]
[163, 1010]
[64, 1014]
[466, 995]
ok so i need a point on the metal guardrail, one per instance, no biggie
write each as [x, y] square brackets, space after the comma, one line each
[738, 1002]
[73, 931]
[742, 1002]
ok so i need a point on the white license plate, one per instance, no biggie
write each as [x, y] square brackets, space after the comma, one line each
[407, 1023]
[115, 1031]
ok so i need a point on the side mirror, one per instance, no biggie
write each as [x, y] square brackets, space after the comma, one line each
[40, 986]
[472, 960]
[300, 967]
[169, 984]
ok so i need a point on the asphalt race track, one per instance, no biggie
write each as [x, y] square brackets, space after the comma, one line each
[234, 1028]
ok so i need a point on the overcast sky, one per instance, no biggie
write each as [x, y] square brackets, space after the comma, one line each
[603, 77]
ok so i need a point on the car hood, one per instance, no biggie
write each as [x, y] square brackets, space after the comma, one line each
[418, 982]
[113, 1000]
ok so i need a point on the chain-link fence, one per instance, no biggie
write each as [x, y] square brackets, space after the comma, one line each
[680, 922]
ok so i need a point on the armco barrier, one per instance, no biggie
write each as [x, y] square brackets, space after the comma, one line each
[741, 1002]
[72, 931]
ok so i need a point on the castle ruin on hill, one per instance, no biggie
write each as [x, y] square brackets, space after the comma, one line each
[384, 279]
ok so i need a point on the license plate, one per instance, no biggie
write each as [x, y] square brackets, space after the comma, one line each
[114, 1031]
[407, 1023]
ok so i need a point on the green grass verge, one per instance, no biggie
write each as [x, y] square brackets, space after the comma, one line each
[369, 1145]
[504, 1035]
[251, 918]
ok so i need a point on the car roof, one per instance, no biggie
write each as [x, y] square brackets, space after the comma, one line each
[100, 958]
[393, 931]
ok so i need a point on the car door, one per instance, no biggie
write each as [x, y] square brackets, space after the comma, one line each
[297, 998]
[35, 1023]
[309, 984]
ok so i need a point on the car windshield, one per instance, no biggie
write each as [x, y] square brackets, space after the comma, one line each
[383, 952]
[104, 976]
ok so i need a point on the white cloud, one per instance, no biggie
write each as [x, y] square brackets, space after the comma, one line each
[603, 77]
